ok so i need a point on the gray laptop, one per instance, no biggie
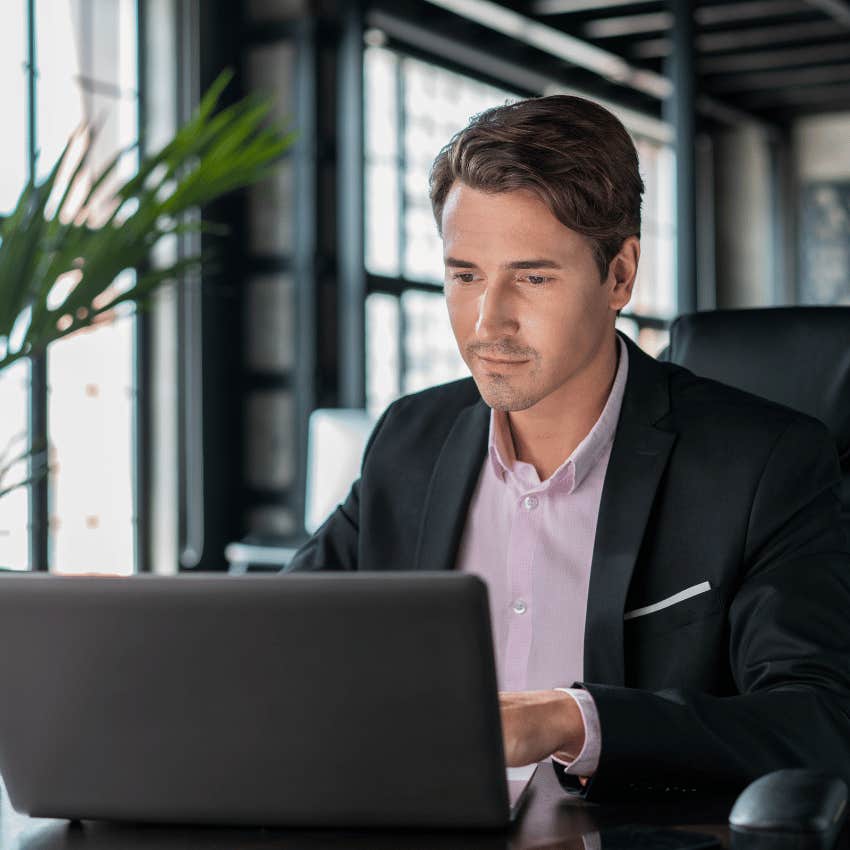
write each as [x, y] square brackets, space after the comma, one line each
[333, 700]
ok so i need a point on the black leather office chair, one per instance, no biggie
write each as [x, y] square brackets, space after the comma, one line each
[797, 356]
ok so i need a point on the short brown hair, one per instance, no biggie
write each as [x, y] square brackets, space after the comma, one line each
[571, 152]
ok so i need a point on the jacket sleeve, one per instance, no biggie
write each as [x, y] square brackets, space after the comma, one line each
[789, 648]
[334, 546]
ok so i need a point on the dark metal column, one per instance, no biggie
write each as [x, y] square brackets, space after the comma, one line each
[38, 490]
[209, 306]
[680, 111]
[304, 212]
[142, 354]
[350, 241]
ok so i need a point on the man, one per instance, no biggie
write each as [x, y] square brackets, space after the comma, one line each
[663, 548]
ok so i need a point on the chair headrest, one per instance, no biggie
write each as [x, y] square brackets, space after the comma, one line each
[796, 356]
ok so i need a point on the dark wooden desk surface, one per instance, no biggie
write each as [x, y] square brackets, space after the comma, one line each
[550, 821]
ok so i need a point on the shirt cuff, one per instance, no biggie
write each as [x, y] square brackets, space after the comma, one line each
[586, 762]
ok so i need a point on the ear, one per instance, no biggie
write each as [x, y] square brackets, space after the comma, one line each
[622, 271]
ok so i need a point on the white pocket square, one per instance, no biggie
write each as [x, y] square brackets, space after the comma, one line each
[681, 596]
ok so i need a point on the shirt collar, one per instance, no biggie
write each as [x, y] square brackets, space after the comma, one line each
[586, 453]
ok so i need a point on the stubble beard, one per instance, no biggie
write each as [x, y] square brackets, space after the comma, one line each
[505, 393]
[502, 394]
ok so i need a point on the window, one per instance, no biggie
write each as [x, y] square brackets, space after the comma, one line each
[653, 301]
[84, 70]
[412, 109]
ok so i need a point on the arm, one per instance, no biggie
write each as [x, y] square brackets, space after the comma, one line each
[334, 545]
[789, 647]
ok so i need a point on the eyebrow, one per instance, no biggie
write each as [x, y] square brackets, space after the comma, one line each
[539, 263]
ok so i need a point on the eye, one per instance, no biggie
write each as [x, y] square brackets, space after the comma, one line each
[463, 277]
[537, 279]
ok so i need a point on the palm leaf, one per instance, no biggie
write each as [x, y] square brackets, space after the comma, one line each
[50, 231]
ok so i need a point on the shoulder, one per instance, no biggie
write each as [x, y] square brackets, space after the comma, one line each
[421, 421]
[443, 402]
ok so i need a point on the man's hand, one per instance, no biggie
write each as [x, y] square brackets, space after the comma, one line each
[536, 724]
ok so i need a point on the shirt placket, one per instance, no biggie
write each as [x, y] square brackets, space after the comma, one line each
[521, 552]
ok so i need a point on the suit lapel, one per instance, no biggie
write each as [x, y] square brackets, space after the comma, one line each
[639, 456]
[450, 490]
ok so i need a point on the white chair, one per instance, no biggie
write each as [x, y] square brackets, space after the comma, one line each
[335, 444]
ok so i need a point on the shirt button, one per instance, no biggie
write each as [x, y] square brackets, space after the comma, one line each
[520, 607]
[530, 502]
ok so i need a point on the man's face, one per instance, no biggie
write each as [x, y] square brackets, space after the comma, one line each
[527, 306]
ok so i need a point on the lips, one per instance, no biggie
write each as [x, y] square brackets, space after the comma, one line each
[501, 362]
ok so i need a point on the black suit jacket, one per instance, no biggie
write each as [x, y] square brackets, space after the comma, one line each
[704, 483]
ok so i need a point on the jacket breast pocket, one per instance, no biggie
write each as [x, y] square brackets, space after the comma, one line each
[681, 609]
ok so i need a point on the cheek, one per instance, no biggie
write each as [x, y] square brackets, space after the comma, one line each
[563, 324]
[461, 312]
[459, 329]
[578, 305]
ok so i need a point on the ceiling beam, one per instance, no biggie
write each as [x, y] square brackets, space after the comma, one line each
[763, 60]
[837, 95]
[628, 25]
[747, 10]
[489, 64]
[837, 9]
[729, 40]
[556, 43]
[821, 75]
[652, 48]
[769, 35]
[568, 7]
[706, 16]
[584, 55]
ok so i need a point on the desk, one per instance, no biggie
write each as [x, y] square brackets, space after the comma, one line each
[550, 821]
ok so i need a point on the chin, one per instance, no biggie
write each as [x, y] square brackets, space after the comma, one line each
[503, 397]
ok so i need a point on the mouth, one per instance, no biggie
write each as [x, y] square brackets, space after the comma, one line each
[496, 361]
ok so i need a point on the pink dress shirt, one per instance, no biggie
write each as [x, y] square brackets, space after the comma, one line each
[532, 543]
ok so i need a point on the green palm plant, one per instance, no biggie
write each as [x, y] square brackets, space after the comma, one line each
[59, 269]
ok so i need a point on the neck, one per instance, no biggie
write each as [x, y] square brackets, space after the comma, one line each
[546, 434]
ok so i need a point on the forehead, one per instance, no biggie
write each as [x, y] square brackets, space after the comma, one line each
[503, 221]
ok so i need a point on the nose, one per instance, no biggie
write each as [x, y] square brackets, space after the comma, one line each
[496, 314]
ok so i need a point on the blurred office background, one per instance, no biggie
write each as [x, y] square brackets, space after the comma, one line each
[183, 429]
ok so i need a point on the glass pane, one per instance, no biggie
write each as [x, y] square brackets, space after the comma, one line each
[275, 10]
[653, 340]
[90, 411]
[627, 326]
[14, 506]
[270, 453]
[429, 344]
[270, 323]
[271, 71]
[380, 71]
[13, 96]
[382, 218]
[86, 68]
[825, 250]
[423, 256]
[86, 53]
[270, 205]
[383, 378]
[271, 521]
[655, 292]
[437, 104]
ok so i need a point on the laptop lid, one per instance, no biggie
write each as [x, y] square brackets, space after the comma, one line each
[256, 699]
